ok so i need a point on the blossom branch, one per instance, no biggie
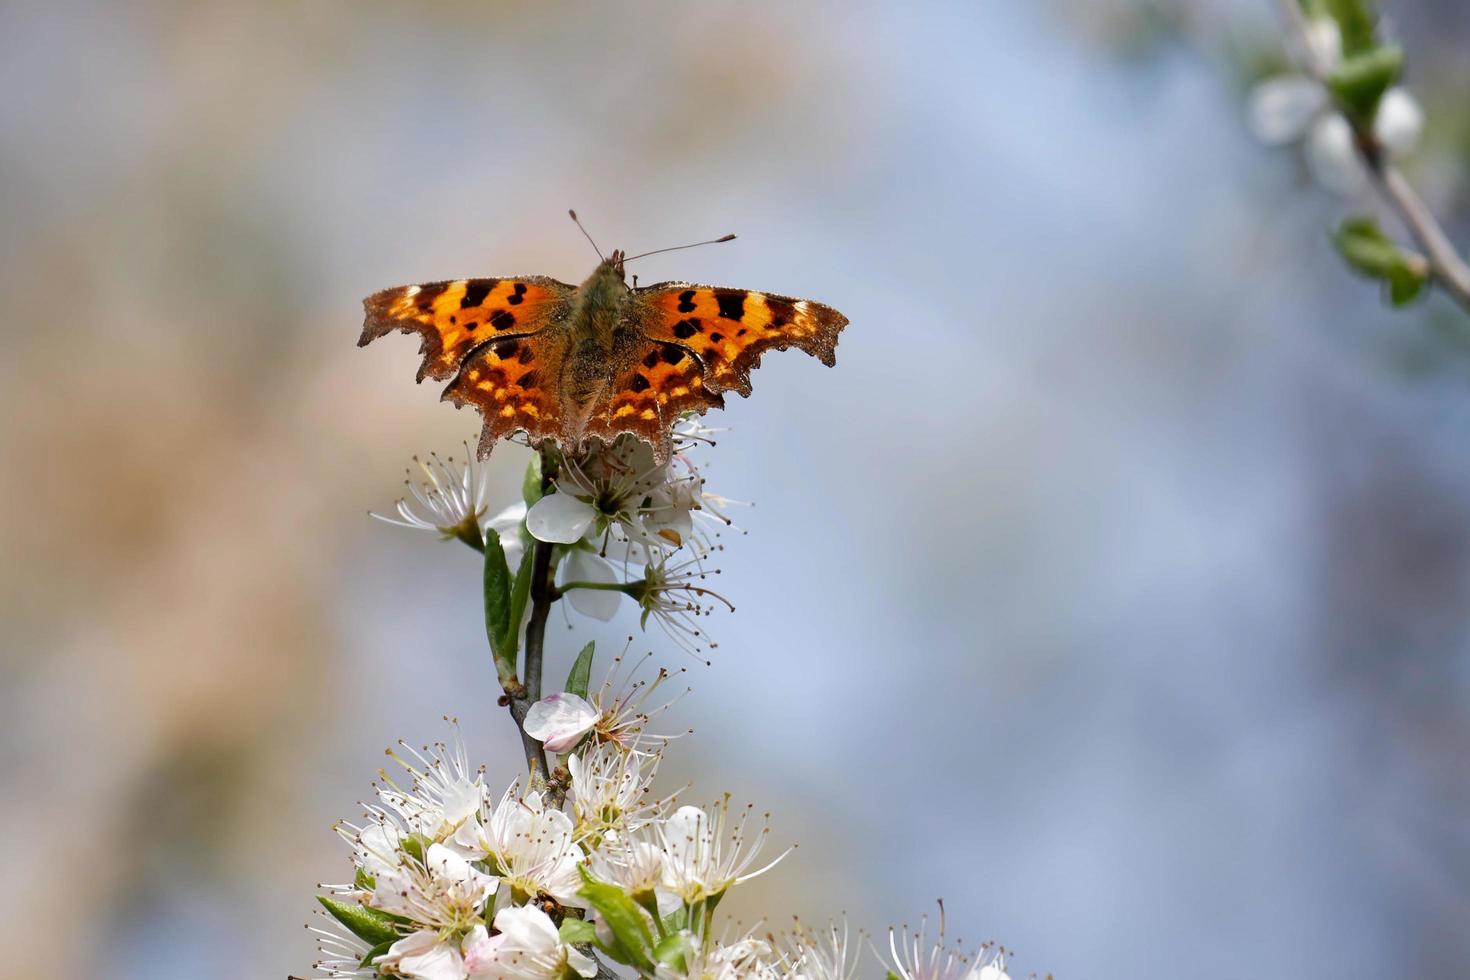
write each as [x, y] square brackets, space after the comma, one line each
[1444, 263]
[528, 691]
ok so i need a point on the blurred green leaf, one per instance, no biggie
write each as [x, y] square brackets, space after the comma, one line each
[1365, 247]
[520, 594]
[623, 917]
[575, 932]
[498, 605]
[673, 951]
[581, 673]
[1358, 23]
[378, 950]
[369, 925]
[1360, 81]
[531, 482]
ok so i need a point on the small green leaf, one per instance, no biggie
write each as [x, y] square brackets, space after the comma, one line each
[531, 482]
[1356, 22]
[378, 950]
[575, 932]
[369, 925]
[497, 604]
[520, 594]
[1365, 247]
[361, 879]
[892, 976]
[1360, 81]
[623, 917]
[581, 674]
[414, 846]
[673, 951]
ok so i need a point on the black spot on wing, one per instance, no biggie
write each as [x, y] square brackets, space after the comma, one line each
[651, 359]
[782, 312]
[672, 353]
[686, 301]
[428, 292]
[527, 355]
[685, 329]
[640, 383]
[518, 296]
[506, 349]
[527, 380]
[731, 302]
[475, 293]
[502, 319]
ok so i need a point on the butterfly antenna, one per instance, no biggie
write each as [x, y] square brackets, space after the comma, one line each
[712, 241]
[584, 232]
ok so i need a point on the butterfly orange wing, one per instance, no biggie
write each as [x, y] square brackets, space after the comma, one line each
[666, 381]
[509, 380]
[454, 317]
[729, 329]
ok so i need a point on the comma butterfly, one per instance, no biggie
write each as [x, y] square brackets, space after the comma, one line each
[572, 363]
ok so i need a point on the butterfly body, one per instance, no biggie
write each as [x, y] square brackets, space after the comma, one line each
[572, 363]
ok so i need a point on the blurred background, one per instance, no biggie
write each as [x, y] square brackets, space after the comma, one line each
[1113, 587]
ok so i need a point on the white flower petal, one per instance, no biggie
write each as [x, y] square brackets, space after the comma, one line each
[527, 927]
[1324, 38]
[1333, 157]
[1282, 108]
[559, 518]
[1399, 122]
[583, 566]
[423, 957]
[559, 721]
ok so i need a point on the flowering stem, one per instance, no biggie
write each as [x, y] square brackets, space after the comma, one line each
[1445, 264]
[541, 598]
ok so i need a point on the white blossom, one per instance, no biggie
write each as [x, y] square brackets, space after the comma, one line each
[525, 947]
[1296, 107]
[423, 955]
[704, 855]
[916, 958]
[612, 790]
[530, 845]
[444, 890]
[450, 498]
[559, 721]
[745, 959]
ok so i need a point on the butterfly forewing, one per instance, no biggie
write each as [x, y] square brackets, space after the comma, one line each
[731, 328]
[453, 317]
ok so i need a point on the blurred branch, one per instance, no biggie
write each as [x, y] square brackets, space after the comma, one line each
[1446, 267]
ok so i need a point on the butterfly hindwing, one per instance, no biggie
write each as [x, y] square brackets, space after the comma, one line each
[455, 316]
[512, 383]
[665, 381]
[729, 329]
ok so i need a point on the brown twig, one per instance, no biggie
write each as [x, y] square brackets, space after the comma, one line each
[1446, 267]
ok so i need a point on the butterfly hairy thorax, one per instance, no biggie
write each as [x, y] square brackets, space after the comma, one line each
[590, 362]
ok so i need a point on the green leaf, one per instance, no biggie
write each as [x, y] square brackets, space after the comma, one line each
[497, 604]
[673, 951]
[520, 594]
[623, 917]
[1357, 22]
[531, 482]
[364, 881]
[375, 952]
[892, 976]
[414, 846]
[1360, 81]
[575, 932]
[581, 674]
[369, 925]
[1365, 247]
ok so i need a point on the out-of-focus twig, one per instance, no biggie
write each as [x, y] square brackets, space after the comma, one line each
[1446, 267]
